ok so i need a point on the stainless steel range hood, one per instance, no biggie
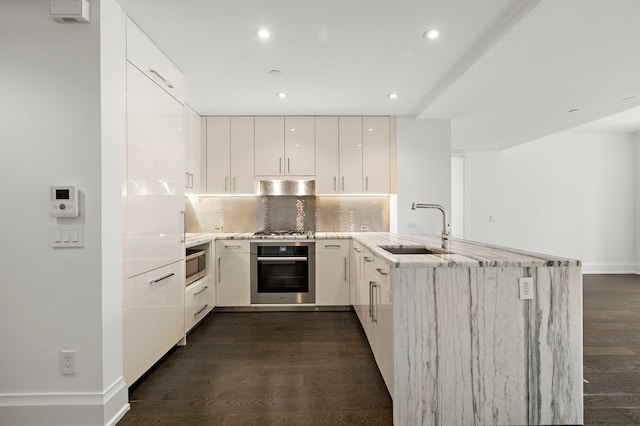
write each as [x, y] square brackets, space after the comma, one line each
[286, 187]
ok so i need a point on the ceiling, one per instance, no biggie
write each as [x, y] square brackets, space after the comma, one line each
[504, 72]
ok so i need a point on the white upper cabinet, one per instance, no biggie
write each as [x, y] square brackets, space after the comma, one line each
[146, 56]
[299, 146]
[193, 152]
[350, 137]
[327, 155]
[375, 155]
[242, 146]
[230, 144]
[269, 146]
[284, 146]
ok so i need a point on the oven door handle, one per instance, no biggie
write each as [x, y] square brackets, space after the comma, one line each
[282, 259]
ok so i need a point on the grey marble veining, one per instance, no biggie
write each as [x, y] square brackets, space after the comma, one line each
[468, 351]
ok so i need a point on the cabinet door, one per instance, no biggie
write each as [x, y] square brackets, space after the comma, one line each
[299, 147]
[350, 134]
[155, 176]
[384, 336]
[375, 163]
[153, 317]
[242, 157]
[150, 60]
[233, 287]
[332, 272]
[327, 150]
[218, 153]
[193, 173]
[269, 146]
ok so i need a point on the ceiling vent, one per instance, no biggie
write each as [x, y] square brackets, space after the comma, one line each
[69, 10]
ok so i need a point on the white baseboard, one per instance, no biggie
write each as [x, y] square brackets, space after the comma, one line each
[610, 268]
[66, 409]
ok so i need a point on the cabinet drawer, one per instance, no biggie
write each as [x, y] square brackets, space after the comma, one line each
[232, 246]
[198, 302]
[149, 59]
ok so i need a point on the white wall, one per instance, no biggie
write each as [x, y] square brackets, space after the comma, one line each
[50, 113]
[424, 173]
[569, 194]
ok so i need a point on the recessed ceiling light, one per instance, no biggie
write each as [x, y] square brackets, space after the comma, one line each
[431, 34]
[281, 95]
[275, 73]
[292, 129]
[370, 130]
[392, 96]
[263, 33]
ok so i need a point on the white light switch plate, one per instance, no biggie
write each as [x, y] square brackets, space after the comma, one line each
[66, 236]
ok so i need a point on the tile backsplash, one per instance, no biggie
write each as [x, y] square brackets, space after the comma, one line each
[302, 213]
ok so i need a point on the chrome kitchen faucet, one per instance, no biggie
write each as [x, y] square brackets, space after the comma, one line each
[445, 224]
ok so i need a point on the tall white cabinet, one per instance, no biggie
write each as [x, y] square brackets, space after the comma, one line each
[153, 296]
[193, 151]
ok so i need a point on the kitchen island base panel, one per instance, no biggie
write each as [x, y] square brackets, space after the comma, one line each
[477, 354]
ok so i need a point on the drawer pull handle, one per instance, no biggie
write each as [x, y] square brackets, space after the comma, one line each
[169, 85]
[382, 271]
[368, 259]
[201, 291]
[332, 246]
[232, 247]
[201, 310]
[152, 282]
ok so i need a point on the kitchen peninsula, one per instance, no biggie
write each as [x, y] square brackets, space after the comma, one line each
[455, 341]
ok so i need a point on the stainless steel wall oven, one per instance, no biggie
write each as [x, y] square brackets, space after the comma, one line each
[283, 272]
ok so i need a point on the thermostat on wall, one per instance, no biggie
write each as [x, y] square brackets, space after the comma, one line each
[64, 201]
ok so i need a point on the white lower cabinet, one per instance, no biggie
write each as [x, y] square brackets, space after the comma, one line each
[199, 300]
[232, 273]
[332, 272]
[374, 306]
[153, 320]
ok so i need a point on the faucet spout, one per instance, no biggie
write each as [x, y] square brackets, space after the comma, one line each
[445, 224]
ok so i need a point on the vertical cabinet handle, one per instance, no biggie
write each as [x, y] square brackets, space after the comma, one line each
[371, 299]
[366, 185]
[226, 183]
[186, 179]
[345, 268]
[235, 184]
[280, 165]
[342, 183]
[335, 184]
[375, 302]
[219, 271]
[191, 180]
[183, 226]
[288, 164]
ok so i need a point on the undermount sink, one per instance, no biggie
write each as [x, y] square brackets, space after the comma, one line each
[413, 250]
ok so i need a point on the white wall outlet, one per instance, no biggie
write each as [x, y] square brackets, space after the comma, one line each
[68, 362]
[526, 287]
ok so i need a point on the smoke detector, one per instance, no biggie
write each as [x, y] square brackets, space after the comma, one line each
[69, 10]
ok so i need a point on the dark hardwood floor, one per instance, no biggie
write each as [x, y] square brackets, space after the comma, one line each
[612, 349]
[316, 368]
[284, 368]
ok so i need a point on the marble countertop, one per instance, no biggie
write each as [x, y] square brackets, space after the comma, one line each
[463, 253]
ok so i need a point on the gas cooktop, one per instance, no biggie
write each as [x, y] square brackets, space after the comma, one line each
[282, 233]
